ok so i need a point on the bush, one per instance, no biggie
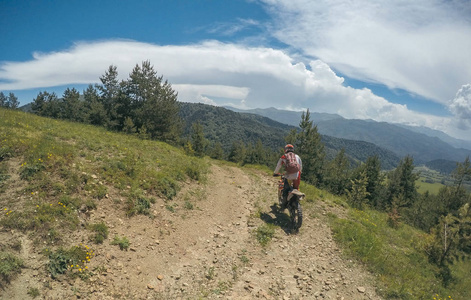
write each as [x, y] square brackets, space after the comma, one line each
[101, 232]
[10, 265]
[265, 233]
[62, 260]
[58, 263]
[138, 203]
[34, 292]
[123, 242]
[28, 171]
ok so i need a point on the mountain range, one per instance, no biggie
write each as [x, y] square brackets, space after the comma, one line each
[421, 143]
[226, 126]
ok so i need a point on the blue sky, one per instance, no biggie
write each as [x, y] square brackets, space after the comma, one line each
[404, 62]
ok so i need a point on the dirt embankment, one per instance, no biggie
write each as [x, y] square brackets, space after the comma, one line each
[201, 245]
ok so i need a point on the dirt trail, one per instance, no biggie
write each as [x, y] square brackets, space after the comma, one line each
[201, 245]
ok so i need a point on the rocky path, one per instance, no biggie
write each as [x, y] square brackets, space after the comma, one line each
[201, 245]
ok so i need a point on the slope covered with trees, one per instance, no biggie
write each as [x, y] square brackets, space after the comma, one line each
[423, 145]
[226, 128]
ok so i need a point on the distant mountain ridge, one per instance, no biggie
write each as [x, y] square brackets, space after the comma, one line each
[226, 126]
[457, 143]
[285, 116]
[399, 139]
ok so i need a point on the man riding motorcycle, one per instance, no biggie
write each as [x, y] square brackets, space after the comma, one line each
[293, 167]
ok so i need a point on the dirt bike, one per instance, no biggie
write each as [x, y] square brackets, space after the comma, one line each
[291, 200]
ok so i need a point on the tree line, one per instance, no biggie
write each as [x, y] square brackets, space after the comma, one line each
[10, 101]
[144, 104]
[239, 152]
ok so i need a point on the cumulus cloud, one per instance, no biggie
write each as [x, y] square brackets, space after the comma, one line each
[460, 106]
[421, 46]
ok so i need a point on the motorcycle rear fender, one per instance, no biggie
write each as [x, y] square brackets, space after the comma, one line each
[296, 193]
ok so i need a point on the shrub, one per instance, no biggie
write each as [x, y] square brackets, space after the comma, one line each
[10, 265]
[64, 259]
[188, 205]
[33, 292]
[265, 233]
[123, 242]
[138, 204]
[58, 263]
[101, 232]
[167, 187]
[28, 171]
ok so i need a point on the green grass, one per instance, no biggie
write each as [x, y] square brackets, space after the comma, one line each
[33, 292]
[264, 233]
[122, 242]
[100, 232]
[66, 166]
[10, 266]
[432, 188]
[69, 261]
[396, 256]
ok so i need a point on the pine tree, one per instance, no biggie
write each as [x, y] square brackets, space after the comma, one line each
[197, 139]
[238, 152]
[375, 187]
[358, 193]
[12, 101]
[110, 91]
[154, 103]
[47, 105]
[95, 111]
[338, 173]
[72, 106]
[402, 184]
[129, 126]
[311, 150]
[217, 152]
[3, 100]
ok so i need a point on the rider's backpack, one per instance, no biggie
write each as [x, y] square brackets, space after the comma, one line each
[292, 165]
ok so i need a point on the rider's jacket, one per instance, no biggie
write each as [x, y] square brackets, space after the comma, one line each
[291, 176]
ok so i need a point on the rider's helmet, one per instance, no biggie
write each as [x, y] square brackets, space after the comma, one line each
[289, 148]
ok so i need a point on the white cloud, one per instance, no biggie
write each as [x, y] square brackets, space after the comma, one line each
[198, 93]
[229, 29]
[217, 74]
[460, 106]
[421, 46]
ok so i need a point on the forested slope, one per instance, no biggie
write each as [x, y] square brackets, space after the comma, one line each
[226, 126]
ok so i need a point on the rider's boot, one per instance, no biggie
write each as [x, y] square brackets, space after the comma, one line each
[284, 202]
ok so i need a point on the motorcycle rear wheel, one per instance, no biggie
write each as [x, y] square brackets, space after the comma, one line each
[296, 215]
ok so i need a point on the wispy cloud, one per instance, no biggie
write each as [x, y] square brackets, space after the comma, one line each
[231, 28]
[421, 46]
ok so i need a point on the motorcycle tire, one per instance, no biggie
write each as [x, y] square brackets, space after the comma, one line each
[296, 215]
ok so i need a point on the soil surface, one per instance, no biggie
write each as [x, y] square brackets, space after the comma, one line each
[202, 245]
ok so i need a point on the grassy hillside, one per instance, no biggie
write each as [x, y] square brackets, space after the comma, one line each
[397, 256]
[53, 173]
[64, 169]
